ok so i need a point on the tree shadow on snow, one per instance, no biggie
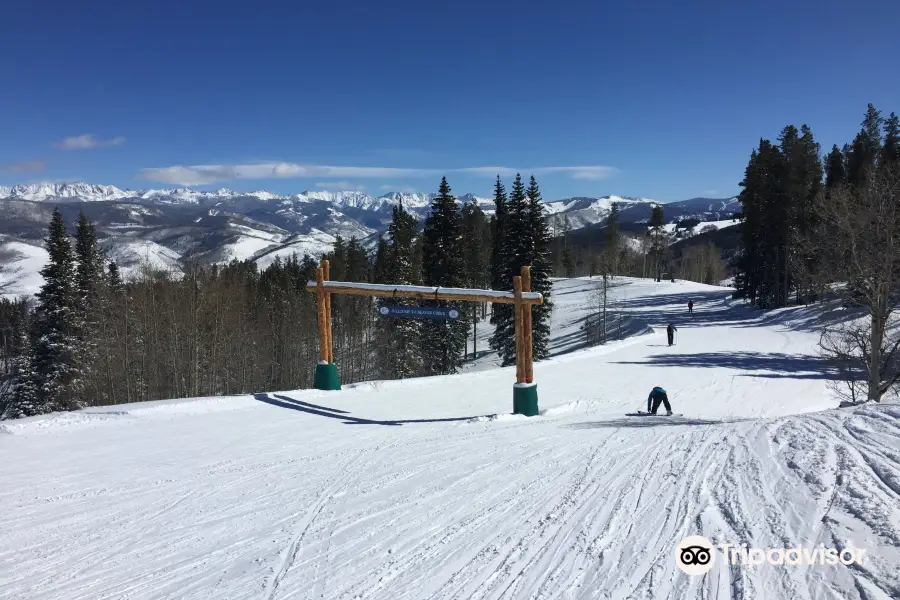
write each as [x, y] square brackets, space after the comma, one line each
[341, 415]
[787, 366]
[715, 308]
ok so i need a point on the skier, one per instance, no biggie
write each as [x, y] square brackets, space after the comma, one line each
[658, 396]
[690, 307]
[670, 330]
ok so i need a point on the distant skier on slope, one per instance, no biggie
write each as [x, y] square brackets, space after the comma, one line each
[658, 396]
[670, 331]
[690, 307]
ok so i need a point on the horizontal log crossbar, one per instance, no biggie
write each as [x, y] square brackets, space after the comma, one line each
[425, 292]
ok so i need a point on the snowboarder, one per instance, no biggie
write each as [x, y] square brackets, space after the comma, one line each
[658, 396]
[690, 307]
[670, 330]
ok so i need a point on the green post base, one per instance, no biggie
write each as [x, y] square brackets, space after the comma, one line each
[327, 377]
[525, 399]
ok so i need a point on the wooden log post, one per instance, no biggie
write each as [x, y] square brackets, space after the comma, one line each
[326, 269]
[526, 327]
[525, 401]
[520, 337]
[326, 376]
[322, 311]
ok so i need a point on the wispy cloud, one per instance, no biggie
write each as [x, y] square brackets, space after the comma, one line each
[208, 174]
[344, 186]
[88, 141]
[406, 189]
[710, 192]
[584, 172]
[24, 166]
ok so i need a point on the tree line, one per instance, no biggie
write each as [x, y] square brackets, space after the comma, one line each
[91, 338]
[816, 228]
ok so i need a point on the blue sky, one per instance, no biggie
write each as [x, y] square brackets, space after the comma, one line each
[647, 98]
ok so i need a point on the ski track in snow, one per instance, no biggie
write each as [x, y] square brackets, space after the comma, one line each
[312, 495]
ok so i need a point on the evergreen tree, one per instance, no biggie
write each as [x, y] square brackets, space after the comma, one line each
[381, 265]
[477, 252]
[541, 270]
[113, 277]
[866, 148]
[514, 253]
[498, 241]
[659, 239]
[613, 239]
[89, 279]
[443, 266]
[835, 170]
[890, 151]
[54, 379]
[400, 339]
[757, 260]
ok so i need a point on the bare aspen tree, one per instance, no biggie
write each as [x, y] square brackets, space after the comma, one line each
[858, 241]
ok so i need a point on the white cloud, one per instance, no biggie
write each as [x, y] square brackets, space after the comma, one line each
[583, 172]
[23, 166]
[208, 174]
[389, 187]
[343, 186]
[88, 141]
[490, 171]
[710, 192]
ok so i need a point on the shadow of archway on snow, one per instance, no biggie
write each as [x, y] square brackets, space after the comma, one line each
[282, 401]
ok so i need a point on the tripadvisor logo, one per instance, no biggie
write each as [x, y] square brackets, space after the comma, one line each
[696, 555]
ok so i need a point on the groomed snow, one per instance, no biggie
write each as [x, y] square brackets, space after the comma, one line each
[429, 488]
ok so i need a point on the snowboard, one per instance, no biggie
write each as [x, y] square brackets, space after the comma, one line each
[641, 413]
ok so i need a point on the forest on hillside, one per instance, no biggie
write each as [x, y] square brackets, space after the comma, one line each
[92, 338]
[816, 229]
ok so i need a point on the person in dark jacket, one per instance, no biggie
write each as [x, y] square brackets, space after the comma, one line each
[690, 307]
[670, 330]
[658, 396]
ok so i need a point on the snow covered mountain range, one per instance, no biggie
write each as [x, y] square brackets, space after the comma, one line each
[169, 226]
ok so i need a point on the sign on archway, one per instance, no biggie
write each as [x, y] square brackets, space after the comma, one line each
[524, 390]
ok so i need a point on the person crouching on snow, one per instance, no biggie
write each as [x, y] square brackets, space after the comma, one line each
[658, 396]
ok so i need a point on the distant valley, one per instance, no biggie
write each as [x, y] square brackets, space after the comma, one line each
[171, 226]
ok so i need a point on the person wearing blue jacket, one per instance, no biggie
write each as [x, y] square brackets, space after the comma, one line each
[658, 396]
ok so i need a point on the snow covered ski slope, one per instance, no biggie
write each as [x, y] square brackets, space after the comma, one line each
[429, 489]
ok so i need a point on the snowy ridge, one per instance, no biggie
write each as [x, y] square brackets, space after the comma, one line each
[429, 488]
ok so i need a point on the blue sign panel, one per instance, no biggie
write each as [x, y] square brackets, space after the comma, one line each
[419, 312]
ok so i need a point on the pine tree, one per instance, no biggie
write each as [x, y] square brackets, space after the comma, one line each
[866, 148]
[14, 361]
[541, 270]
[613, 239]
[513, 254]
[835, 170]
[758, 255]
[89, 279]
[443, 266]
[477, 252]
[113, 277]
[55, 379]
[659, 239]
[498, 237]
[400, 339]
[381, 266]
[890, 151]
